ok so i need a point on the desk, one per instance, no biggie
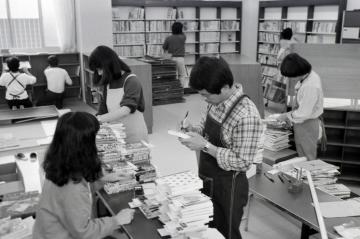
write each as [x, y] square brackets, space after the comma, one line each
[140, 227]
[28, 114]
[297, 205]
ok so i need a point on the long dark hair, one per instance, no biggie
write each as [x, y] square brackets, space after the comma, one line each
[105, 58]
[72, 154]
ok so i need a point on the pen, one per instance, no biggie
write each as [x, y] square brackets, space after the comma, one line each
[282, 180]
[183, 122]
[266, 176]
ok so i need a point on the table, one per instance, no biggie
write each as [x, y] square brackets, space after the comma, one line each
[297, 205]
[140, 227]
[29, 114]
[271, 157]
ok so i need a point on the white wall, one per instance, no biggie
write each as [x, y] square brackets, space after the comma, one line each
[353, 4]
[94, 24]
[249, 28]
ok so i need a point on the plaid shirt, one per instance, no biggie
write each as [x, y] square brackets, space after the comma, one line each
[240, 133]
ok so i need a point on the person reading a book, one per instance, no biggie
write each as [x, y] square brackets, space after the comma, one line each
[71, 164]
[228, 138]
[15, 82]
[122, 97]
[175, 45]
[56, 78]
[309, 106]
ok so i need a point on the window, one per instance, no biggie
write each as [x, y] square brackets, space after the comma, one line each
[20, 24]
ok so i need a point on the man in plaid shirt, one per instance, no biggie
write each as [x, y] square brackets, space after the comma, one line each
[228, 138]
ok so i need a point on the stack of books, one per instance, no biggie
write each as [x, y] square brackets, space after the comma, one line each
[276, 134]
[126, 177]
[16, 228]
[18, 204]
[339, 190]
[135, 153]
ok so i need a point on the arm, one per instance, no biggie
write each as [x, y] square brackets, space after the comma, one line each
[307, 99]
[30, 78]
[245, 141]
[76, 207]
[2, 80]
[102, 104]
[67, 78]
[166, 45]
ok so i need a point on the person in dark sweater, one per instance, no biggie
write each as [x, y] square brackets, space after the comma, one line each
[175, 45]
[122, 94]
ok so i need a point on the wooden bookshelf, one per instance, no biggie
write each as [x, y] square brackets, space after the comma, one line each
[312, 21]
[68, 61]
[343, 134]
[211, 28]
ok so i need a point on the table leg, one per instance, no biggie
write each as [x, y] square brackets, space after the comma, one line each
[307, 231]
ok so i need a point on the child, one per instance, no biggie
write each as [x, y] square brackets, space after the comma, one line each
[56, 79]
[71, 164]
[15, 83]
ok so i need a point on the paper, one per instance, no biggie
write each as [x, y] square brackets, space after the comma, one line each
[345, 208]
[49, 126]
[351, 32]
[178, 134]
[44, 141]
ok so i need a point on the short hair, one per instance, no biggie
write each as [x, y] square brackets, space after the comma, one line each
[286, 34]
[13, 63]
[177, 28]
[53, 61]
[72, 154]
[105, 58]
[211, 74]
[294, 65]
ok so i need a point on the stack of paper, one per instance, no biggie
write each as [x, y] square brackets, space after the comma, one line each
[276, 139]
[336, 189]
[16, 228]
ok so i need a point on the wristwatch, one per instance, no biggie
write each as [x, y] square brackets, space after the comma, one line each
[206, 147]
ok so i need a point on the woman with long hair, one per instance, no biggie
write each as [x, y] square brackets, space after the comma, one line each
[71, 164]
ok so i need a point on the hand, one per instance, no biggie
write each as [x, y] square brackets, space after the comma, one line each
[98, 117]
[195, 142]
[185, 126]
[125, 216]
[283, 117]
[25, 70]
[115, 177]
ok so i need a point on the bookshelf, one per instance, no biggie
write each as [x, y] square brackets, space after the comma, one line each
[211, 28]
[312, 22]
[342, 127]
[38, 62]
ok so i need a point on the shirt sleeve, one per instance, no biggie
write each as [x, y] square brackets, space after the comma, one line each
[30, 79]
[166, 44]
[307, 98]
[77, 208]
[2, 80]
[200, 127]
[132, 94]
[67, 78]
[245, 142]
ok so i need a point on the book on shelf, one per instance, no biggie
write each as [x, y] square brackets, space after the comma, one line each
[269, 71]
[156, 37]
[267, 59]
[209, 36]
[158, 26]
[133, 13]
[209, 25]
[126, 51]
[128, 39]
[155, 50]
[321, 39]
[230, 25]
[270, 26]
[324, 27]
[209, 47]
[128, 26]
[269, 48]
[296, 26]
[269, 37]
[190, 26]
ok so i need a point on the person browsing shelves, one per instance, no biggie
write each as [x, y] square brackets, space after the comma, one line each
[175, 45]
[228, 138]
[122, 95]
[15, 82]
[56, 78]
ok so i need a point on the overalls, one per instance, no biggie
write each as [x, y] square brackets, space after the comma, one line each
[16, 97]
[227, 189]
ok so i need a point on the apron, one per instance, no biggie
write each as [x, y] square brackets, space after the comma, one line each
[13, 80]
[306, 135]
[228, 189]
[135, 127]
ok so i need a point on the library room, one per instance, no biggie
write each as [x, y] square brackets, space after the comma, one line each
[184, 119]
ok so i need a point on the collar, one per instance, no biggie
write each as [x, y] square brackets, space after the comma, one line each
[226, 104]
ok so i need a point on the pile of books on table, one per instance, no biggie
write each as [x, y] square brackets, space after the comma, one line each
[18, 204]
[178, 203]
[276, 135]
[16, 228]
[129, 163]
